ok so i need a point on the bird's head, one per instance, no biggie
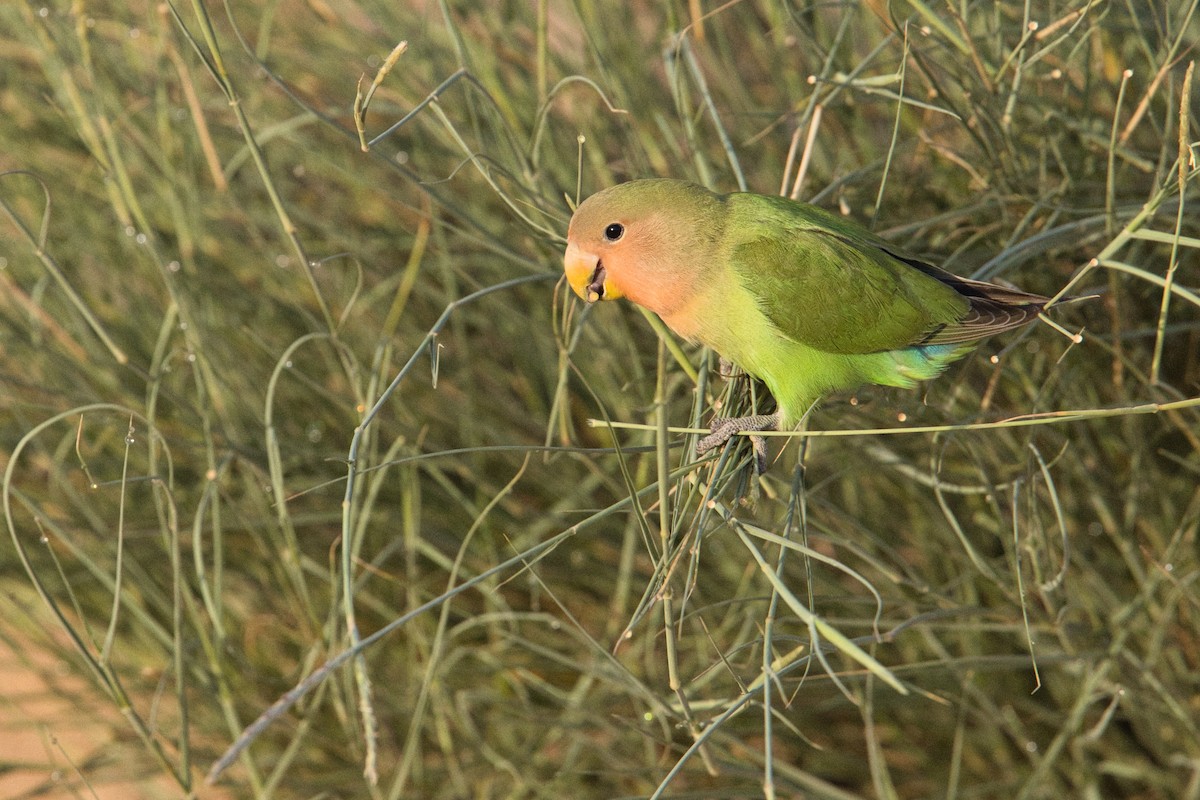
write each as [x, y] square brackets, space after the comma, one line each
[642, 240]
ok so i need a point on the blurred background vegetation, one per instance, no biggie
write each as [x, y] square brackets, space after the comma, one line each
[206, 284]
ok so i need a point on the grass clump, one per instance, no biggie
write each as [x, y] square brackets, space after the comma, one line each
[280, 412]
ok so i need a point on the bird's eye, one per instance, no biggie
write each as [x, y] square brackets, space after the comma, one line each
[614, 232]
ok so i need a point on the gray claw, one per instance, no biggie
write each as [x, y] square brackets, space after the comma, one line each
[725, 429]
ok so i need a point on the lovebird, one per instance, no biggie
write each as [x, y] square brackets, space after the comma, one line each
[807, 302]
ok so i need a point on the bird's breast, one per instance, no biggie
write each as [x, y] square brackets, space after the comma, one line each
[725, 319]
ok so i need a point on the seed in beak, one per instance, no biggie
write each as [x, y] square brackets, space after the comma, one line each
[595, 287]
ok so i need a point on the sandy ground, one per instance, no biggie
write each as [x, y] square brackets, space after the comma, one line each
[52, 747]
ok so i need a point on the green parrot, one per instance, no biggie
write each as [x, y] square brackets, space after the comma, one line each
[805, 301]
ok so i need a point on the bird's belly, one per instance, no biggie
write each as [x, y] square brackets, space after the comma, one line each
[796, 374]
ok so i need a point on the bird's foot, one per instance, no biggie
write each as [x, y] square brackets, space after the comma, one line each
[725, 429]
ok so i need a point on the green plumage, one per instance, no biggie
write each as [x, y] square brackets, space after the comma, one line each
[804, 300]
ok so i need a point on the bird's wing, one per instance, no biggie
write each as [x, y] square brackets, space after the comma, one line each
[992, 308]
[827, 284]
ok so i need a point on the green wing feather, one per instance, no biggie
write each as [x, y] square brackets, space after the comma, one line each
[827, 283]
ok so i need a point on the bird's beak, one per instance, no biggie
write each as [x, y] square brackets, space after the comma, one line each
[586, 275]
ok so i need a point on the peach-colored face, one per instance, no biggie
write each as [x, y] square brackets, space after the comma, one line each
[589, 245]
[640, 240]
